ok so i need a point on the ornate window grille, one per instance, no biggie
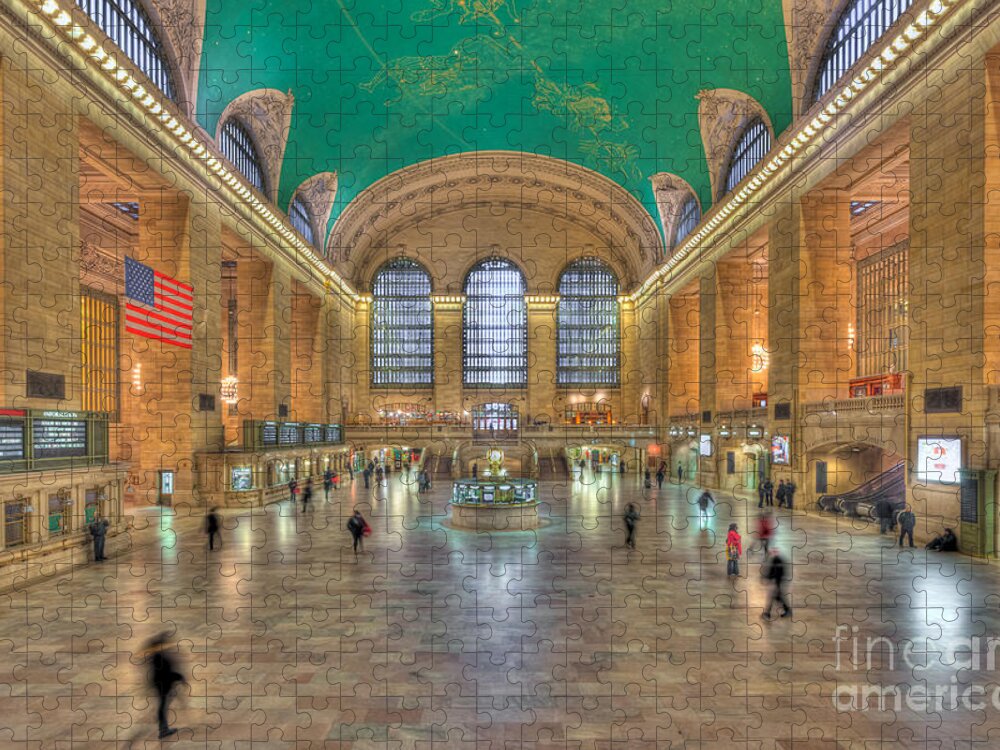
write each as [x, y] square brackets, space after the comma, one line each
[238, 147]
[588, 339]
[495, 326]
[859, 27]
[126, 24]
[402, 328]
[752, 146]
[298, 212]
[689, 218]
[882, 322]
[101, 378]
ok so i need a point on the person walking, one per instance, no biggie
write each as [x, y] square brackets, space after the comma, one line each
[335, 481]
[776, 574]
[358, 527]
[631, 520]
[212, 528]
[781, 493]
[307, 495]
[907, 523]
[704, 500]
[99, 532]
[734, 551]
[163, 676]
[659, 478]
[327, 483]
[647, 481]
[790, 489]
[680, 474]
[367, 477]
[769, 493]
[760, 495]
[293, 489]
[621, 467]
[765, 531]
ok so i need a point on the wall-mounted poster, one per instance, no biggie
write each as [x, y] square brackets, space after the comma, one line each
[241, 479]
[939, 459]
[779, 449]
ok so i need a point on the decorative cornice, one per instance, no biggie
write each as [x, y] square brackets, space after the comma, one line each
[181, 23]
[95, 261]
[808, 23]
[499, 179]
[267, 114]
[318, 193]
[722, 116]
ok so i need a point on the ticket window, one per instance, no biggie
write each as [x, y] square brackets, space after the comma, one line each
[91, 506]
[58, 515]
[15, 523]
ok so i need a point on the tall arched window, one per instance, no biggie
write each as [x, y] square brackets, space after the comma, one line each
[402, 326]
[495, 326]
[752, 146]
[588, 339]
[127, 25]
[237, 145]
[861, 24]
[689, 217]
[298, 212]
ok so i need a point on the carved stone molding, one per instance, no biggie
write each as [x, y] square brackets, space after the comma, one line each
[181, 26]
[671, 193]
[318, 193]
[101, 267]
[267, 114]
[498, 180]
[808, 24]
[722, 116]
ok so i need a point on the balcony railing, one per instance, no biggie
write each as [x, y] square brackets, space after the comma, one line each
[872, 404]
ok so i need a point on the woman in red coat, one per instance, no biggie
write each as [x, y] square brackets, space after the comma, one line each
[734, 550]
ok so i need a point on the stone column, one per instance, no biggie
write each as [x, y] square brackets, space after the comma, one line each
[541, 392]
[684, 337]
[448, 352]
[263, 355]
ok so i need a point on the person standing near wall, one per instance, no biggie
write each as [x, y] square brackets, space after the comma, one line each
[99, 532]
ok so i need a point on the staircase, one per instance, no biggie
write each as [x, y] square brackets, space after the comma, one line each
[889, 485]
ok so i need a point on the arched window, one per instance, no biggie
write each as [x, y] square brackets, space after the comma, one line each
[750, 149]
[126, 24]
[402, 325]
[298, 212]
[861, 24]
[237, 145]
[588, 338]
[495, 326]
[688, 220]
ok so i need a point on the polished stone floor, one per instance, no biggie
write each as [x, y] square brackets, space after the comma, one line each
[559, 638]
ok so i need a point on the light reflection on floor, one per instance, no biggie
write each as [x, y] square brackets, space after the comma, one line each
[558, 637]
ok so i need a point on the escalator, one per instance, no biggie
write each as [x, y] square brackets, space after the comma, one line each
[861, 501]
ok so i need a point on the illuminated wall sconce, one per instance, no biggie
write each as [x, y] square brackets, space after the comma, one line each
[760, 359]
[675, 432]
[137, 378]
[230, 385]
[725, 432]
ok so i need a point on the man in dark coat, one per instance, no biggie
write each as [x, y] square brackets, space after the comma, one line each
[163, 676]
[356, 525]
[769, 492]
[631, 520]
[212, 526]
[907, 523]
[99, 531]
[781, 493]
[883, 512]
[777, 574]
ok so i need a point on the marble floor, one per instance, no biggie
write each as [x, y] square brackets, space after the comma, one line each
[560, 638]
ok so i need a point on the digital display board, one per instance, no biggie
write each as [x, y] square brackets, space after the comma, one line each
[938, 459]
[312, 433]
[333, 433]
[59, 438]
[269, 433]
[779, 449]
[289, 433]
[11, 440]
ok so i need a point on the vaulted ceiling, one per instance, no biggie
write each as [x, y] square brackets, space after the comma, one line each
[379, 86]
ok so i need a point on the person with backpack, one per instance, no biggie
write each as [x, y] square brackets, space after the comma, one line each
[631, 520]
[359, 528]
[704, 500]
[907, 523]
[734, 551]
[776, 574]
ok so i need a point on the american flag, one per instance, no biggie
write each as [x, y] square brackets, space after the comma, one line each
[157, 306]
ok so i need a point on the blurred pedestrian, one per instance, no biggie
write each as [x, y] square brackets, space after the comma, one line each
[213, 528]
[769, 492]
[704, 501]
[307, 495]
[359, 529]
[766, 526]
[660, 474]
[327, 483]
[293, 489]
[781, 493]
[163, 676]
[734, 551]
[776, 573]
[631, 521]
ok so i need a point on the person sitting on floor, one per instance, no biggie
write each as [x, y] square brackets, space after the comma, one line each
[947, 542]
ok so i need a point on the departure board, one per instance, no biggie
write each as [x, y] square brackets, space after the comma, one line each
[269, 433]
[333, 433]
[59, 438]
[11, 440]
[312, 434]
[289, 434]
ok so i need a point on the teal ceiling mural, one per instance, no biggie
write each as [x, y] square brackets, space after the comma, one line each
[382, 85]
